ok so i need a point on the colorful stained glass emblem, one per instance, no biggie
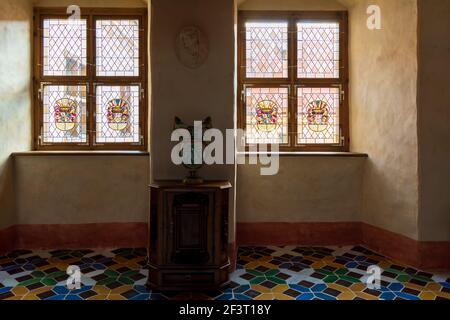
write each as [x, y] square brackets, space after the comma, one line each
[318, 115]
[118, 114]
[267, 116]
[65, 113]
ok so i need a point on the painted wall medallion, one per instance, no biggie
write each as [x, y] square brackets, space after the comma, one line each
[65, 113]
[192, 47]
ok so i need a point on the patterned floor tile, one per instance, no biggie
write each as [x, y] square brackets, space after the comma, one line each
[263, 273]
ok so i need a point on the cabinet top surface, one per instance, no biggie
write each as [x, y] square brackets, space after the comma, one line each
[177, 184]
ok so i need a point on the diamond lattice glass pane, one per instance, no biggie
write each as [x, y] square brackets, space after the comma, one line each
[117, 114]
[318, 115]
[64, 114]
[64, 47]
[267, 115]
[318, 50]
[117, 43]
[266, 50]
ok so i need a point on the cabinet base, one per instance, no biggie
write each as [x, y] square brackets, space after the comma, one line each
[183, 279]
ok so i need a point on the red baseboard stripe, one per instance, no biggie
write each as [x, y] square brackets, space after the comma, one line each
[73, 236]
[280, 233]
[7, 240]
[424, 255]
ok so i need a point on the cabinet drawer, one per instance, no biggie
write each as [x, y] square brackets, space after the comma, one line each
[188, 278]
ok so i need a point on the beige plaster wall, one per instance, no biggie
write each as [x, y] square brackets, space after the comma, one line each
[191, 94]
[91, 3]
[15, 92]
[383, 73]
[71, 189]
[306, 189]
[434, 119]
[383, 112]
[290, 5]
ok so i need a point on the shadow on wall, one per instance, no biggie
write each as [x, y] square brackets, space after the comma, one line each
[15, 90]
[7, 203]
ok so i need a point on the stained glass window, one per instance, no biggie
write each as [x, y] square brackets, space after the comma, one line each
[64, 47]
[117, 115]
[117, 43]
[318, 50]
[266, 50]
[293, 79]
[64, 114]
[90, 90]
[266, 115]
[318, 115]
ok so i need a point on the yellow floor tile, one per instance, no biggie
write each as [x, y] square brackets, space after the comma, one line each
[427, 296]
[15, 298]
[20, 291]
[366, 296]
[116, 297]
[252, 265]
[358, 287]
[265, 296]
[318, 265]
[443, 294]
[260, 288]
[121, 289]
[30, 296]
[98, 297]
[40, 290]
[101, 290]
[433, 286]
[280, 288]
[346, 295]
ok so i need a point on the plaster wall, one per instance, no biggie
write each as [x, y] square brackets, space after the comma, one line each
[383, 112]
[15, 89]
[90, 193]
[191, 94]
[306, 189]
[91, 3]
[291, 5]
[434, 119]
[76, 189]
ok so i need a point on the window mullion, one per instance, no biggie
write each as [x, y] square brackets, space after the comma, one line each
[292, 63]
[91, 76]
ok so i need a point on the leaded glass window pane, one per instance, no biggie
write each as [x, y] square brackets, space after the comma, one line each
[266, 50]
[318, 50]
[117, 114]
[117, 46]
[318, 115]
[64, 114]
[64, 47]
[266, 115]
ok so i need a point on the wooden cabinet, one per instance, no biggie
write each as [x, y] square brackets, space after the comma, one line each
[188, 247]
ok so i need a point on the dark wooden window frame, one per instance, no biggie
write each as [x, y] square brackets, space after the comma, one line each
[91, 79]
[292, 17]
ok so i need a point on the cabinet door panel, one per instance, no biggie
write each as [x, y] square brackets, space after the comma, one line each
[190, 225]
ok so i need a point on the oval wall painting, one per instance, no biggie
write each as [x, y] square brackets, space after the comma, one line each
[192, 47]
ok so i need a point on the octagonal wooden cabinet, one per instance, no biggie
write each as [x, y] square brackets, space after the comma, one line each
[188, 236]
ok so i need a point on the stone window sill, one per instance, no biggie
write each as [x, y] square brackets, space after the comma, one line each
[309, 154]
[80, 153]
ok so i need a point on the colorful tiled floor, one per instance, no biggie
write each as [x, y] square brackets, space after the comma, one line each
[263, 273]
